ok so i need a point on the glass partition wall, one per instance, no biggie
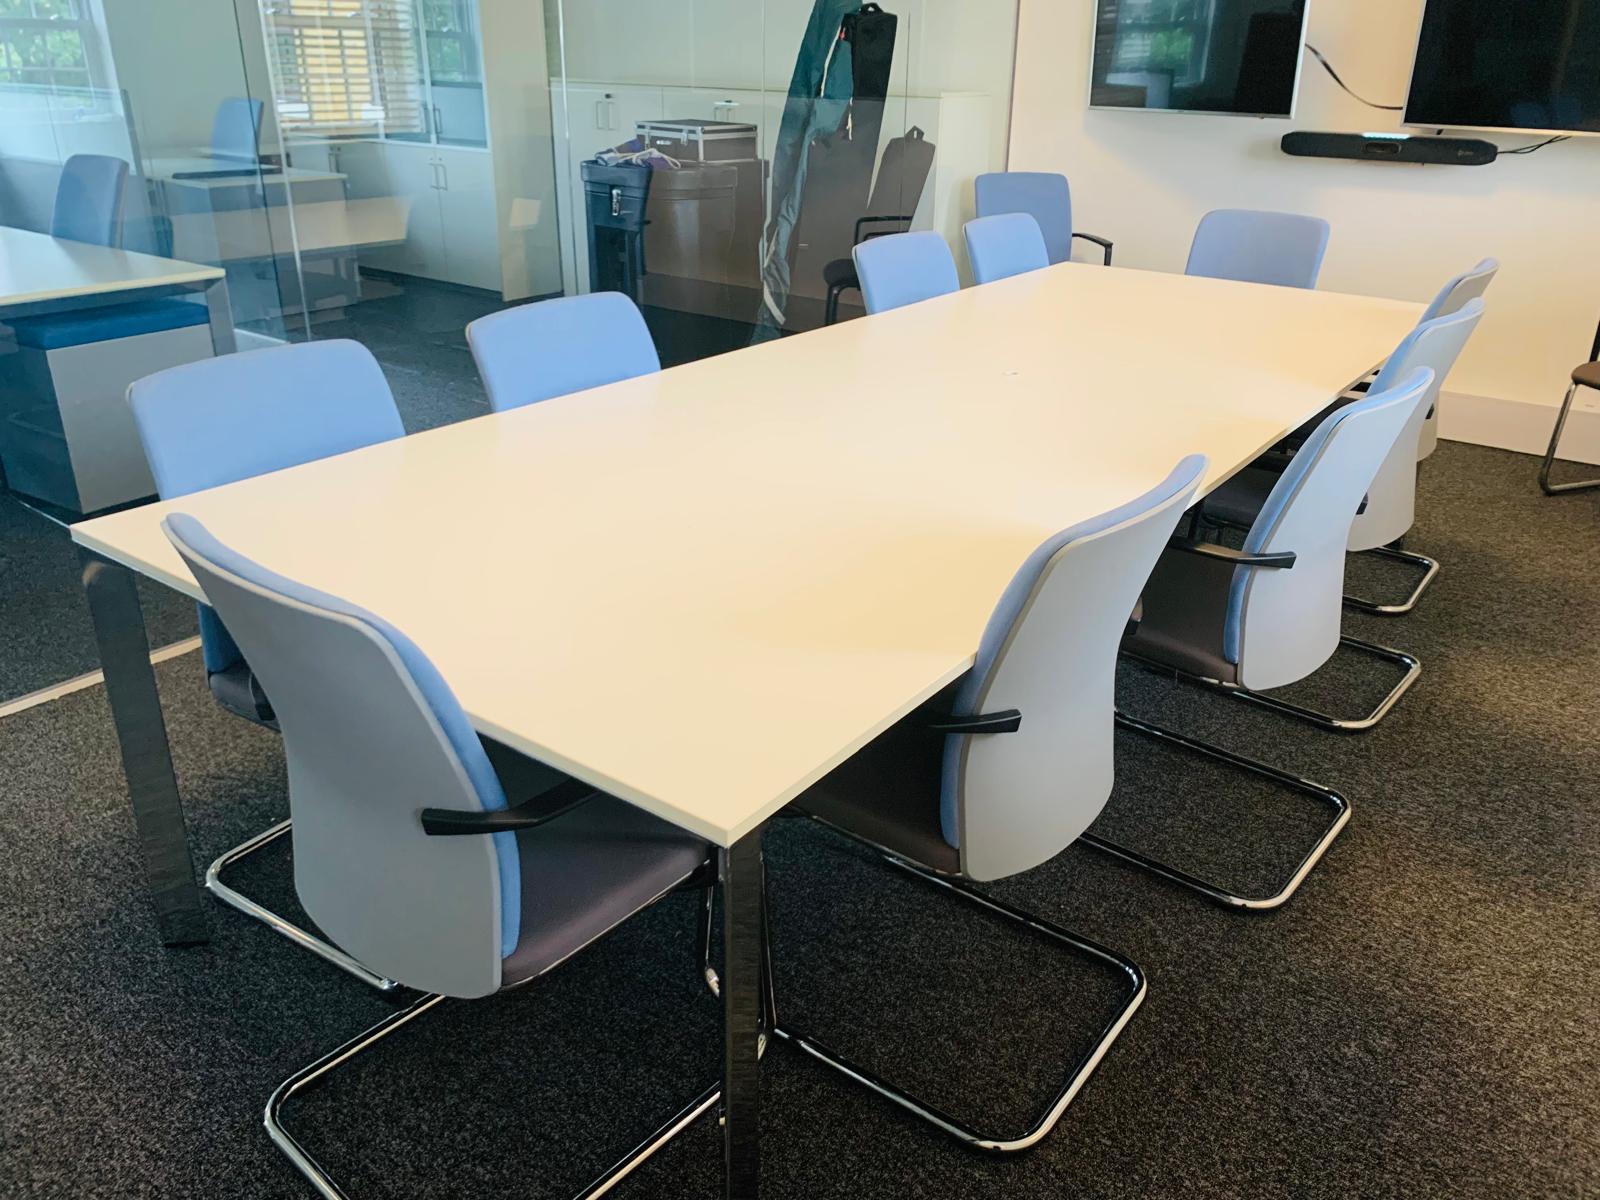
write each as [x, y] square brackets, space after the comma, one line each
[390, 170]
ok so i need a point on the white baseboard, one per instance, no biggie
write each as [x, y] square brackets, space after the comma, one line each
[1522, 426]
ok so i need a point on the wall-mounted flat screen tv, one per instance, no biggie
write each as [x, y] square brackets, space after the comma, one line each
[1240, 57]
[1522, 65]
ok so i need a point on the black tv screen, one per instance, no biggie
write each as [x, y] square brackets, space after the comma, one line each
[1204, 56]
[1508, 64]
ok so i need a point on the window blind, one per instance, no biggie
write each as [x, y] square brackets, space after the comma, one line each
[345, 68]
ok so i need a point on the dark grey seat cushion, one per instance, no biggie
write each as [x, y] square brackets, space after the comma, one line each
[888, 792]
[1240, 500]
[841, 273]
[235, 688]
[588, 871]
[1184, 622]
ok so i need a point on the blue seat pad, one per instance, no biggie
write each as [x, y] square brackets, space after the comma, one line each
[57, 331]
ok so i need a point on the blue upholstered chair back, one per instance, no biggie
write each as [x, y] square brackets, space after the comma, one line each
[1012, 801]
[236, 129]
[223, 419]
[555, 347]
[1464, 288]
[1282, 625]
[1005, 245]
[904, 268]
[89, 200]
[1044, 196]
[1259, 247]
[372, 734]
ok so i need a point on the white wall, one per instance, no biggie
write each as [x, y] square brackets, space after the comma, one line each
[1144, 179]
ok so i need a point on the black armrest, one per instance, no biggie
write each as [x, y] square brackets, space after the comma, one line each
[557, 802]
[1280, 561]
[1007, 720]
[1098, 241]
[1135, 619]
[898, 220]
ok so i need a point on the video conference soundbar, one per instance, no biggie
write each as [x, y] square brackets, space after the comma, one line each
[1390, 147]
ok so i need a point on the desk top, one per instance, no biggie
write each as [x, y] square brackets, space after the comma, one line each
[35, 267]
[703, 589]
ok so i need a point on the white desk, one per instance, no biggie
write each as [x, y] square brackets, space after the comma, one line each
[703, 589]
[40, 273]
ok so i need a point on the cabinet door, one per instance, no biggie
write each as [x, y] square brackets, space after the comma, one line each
[469, 216]
[405, 172]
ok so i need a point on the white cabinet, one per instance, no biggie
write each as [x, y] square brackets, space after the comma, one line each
[452, 227]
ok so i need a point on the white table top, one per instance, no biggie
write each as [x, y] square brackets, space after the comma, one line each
[35, 267]
[703, 589]
[313, 227]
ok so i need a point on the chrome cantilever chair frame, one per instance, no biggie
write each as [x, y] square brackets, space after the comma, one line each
[1055, 1108]
[1576, 485]
[1394, 552]
[1217, 892]
[318, 1072]
[278, 923]
[1413, 671]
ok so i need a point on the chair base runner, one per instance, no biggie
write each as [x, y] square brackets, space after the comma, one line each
[1081, 1071]
[328, 1189]
[1215, 892]
[1430, 568]
[1577, 485]
[281, 925]
[1320, 719]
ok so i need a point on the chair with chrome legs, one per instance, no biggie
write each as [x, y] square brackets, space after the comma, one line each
[1391, 503]
[555, 347]
[1588, 375]
[1009, 765]
[1043, 195]
[904, 268]
[1005, 245]
[1268, 615]
[224, 419]
[1279, 248]
[1452, 298]
[405, 849]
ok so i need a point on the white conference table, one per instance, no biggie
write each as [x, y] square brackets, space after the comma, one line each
[40, 273]
[703, 589]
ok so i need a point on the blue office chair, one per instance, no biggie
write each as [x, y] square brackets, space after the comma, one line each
[90, 197]
[1390, 507]
[1045, 197]
[236, 129]
[555, 347]
[1269, 614]
[904, 268]
[1285, 249]
[1009, 765]
[225, 419]
[406, 850]
[1003, 246]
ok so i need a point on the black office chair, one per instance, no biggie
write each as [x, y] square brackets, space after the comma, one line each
[902, 178]
[1588, 375]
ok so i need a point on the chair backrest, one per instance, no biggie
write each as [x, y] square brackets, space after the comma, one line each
[1465, 287]
[902, 177]
[89, 200]
[1012, 801]
[372, 735]
[1259, 247]
[1043, 195]
[554, 347]
[223, 419]
[1392, 498]
[236, 129]
[904, 268]
[1005, 245]
[1282, 624]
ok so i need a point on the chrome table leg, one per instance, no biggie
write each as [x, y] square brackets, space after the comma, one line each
[146, 755]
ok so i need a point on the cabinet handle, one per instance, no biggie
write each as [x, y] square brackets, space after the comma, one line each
[438, 122]
[444, 176]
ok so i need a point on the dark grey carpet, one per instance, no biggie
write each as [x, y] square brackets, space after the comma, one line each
[45, 633]
[1419, 1022]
